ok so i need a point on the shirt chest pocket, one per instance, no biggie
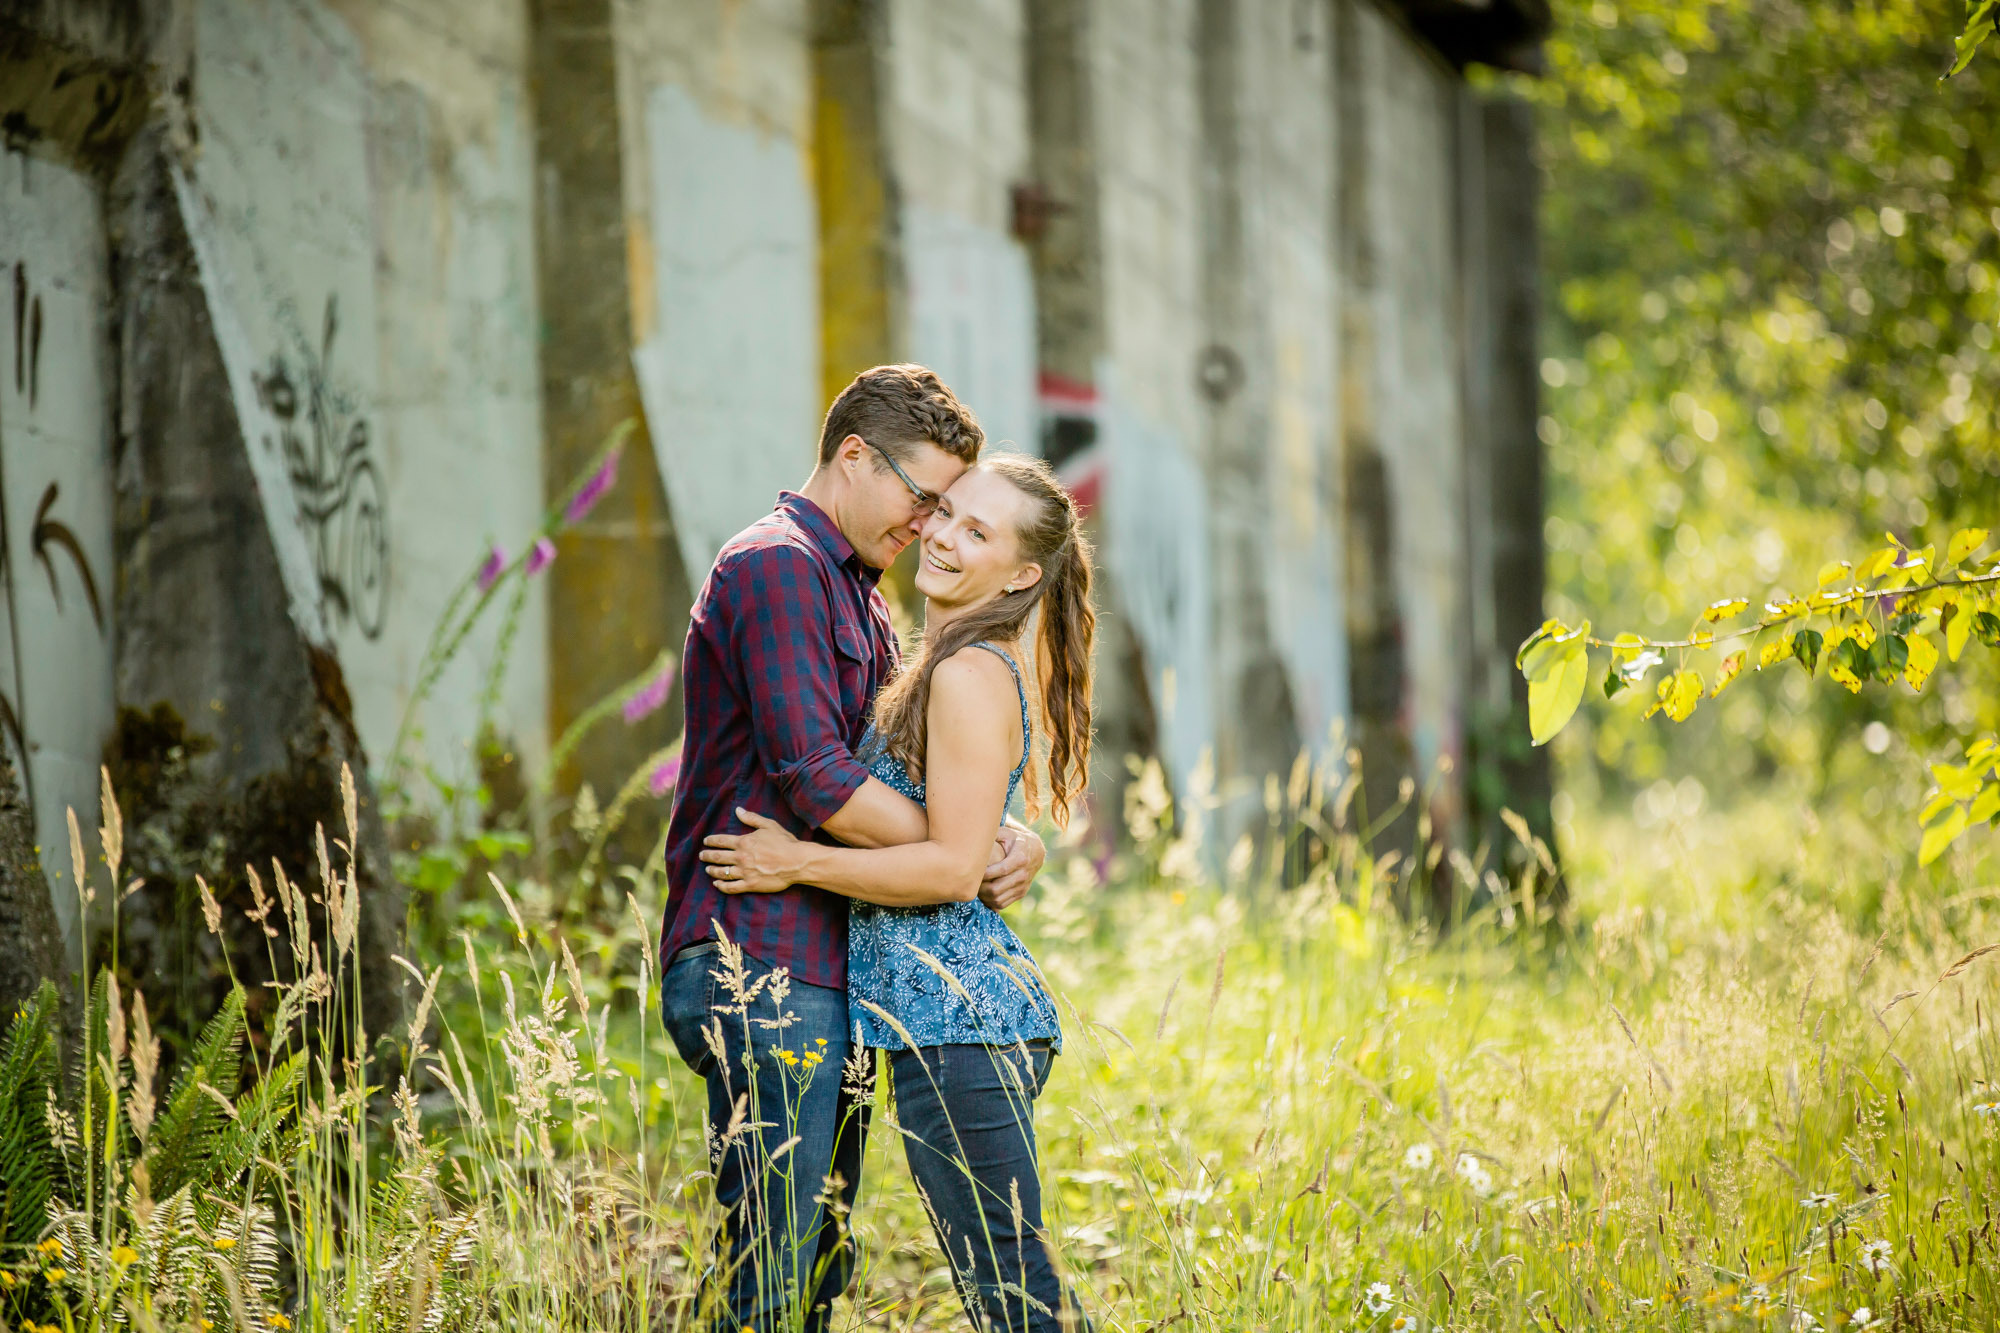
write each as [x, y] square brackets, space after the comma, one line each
[854, 662]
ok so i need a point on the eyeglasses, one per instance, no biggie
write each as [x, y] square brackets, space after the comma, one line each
[926, 503]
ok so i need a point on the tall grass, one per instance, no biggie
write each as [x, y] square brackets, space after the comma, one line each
[1749, 1084]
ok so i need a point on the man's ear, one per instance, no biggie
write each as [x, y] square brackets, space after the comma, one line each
[853, 449]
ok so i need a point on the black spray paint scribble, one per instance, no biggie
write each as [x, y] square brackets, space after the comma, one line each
[48, 536]
[329, 455]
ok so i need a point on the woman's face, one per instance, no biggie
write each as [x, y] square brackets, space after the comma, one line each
[970, 551]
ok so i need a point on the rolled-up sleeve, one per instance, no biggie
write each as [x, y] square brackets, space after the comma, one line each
[782, 639]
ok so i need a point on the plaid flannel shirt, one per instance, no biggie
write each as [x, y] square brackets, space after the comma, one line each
[788, 642]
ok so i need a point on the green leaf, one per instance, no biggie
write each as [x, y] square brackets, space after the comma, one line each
[1963, 543]
[1986, 805]
[1987, 626]
[1977, 29]
[1556, 678]
[1805, 647]
[1941, 835]
[1848, 665]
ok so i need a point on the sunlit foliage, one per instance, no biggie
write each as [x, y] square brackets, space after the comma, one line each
[1773, 262]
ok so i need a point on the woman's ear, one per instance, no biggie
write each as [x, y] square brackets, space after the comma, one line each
[1026, 577]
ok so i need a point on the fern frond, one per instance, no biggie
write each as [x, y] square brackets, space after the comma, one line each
[31, 1168]
[184, 1133]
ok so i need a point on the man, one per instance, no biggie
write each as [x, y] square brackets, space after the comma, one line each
[789, 642]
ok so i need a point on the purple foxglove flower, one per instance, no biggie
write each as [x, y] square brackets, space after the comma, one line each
[539, 556]
[651, 696]
[493, 568]
[665, 775]
[592, 491]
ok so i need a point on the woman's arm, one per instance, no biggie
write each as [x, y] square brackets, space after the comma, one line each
[973, 740]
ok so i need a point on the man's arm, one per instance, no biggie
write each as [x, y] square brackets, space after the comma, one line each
[782, 639]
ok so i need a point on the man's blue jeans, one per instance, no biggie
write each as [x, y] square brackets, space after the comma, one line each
[785, 1136]
[967, 1116]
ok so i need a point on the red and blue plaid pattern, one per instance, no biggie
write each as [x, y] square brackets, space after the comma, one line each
[789, 641]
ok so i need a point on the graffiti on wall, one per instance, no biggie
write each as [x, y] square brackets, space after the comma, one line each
[325, 440]
[56, 553]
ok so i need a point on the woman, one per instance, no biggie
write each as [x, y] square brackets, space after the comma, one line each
[935, 977]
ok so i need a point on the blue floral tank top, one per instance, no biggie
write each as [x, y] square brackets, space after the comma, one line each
[895, 955]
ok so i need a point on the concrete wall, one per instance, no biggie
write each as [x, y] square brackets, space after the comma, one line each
[1222, 252]
[1409, 208]
[958, 142]
[55, 498]
[724, 239]
[1156, 541]
[361, 203]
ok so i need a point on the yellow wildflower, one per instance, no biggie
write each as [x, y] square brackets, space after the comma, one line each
[124, 1256]
[279, 1321]
[55, 1275]
[225, 1242]
[7, 1279]
[51, 1247]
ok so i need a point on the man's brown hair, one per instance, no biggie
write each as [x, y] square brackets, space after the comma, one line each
[896, 407]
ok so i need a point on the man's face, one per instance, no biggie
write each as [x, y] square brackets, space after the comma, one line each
[883, 514]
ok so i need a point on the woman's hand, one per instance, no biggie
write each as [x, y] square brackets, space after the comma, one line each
[764, 860]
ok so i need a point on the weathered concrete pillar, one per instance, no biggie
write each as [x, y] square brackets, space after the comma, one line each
[618, 589]
[31, 947]
[235, 715]
[1259, 736]
[1057, 213]
[1378, 687]
[1501, 185]
[860, 262]
[862, 307]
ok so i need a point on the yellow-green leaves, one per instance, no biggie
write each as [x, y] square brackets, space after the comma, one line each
[1724, 609]
[1679, 693]
[1774, 652]
[1957, 628]
[1556, 661]
[1923, 660]
[1966, 794]
[1878, 564]
[1631, 659]
[1960, 782]
[1835, 571]
[1963, 543]
[1941, 835]
[1732, 666]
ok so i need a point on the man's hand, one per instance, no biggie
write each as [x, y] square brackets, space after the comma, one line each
[1017, 858]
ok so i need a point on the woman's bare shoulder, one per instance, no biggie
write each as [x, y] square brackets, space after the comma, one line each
[974, 682]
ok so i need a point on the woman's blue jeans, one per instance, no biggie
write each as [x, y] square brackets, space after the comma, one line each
[967, 1116]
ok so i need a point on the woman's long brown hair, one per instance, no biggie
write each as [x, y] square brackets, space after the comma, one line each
[1052, 537]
